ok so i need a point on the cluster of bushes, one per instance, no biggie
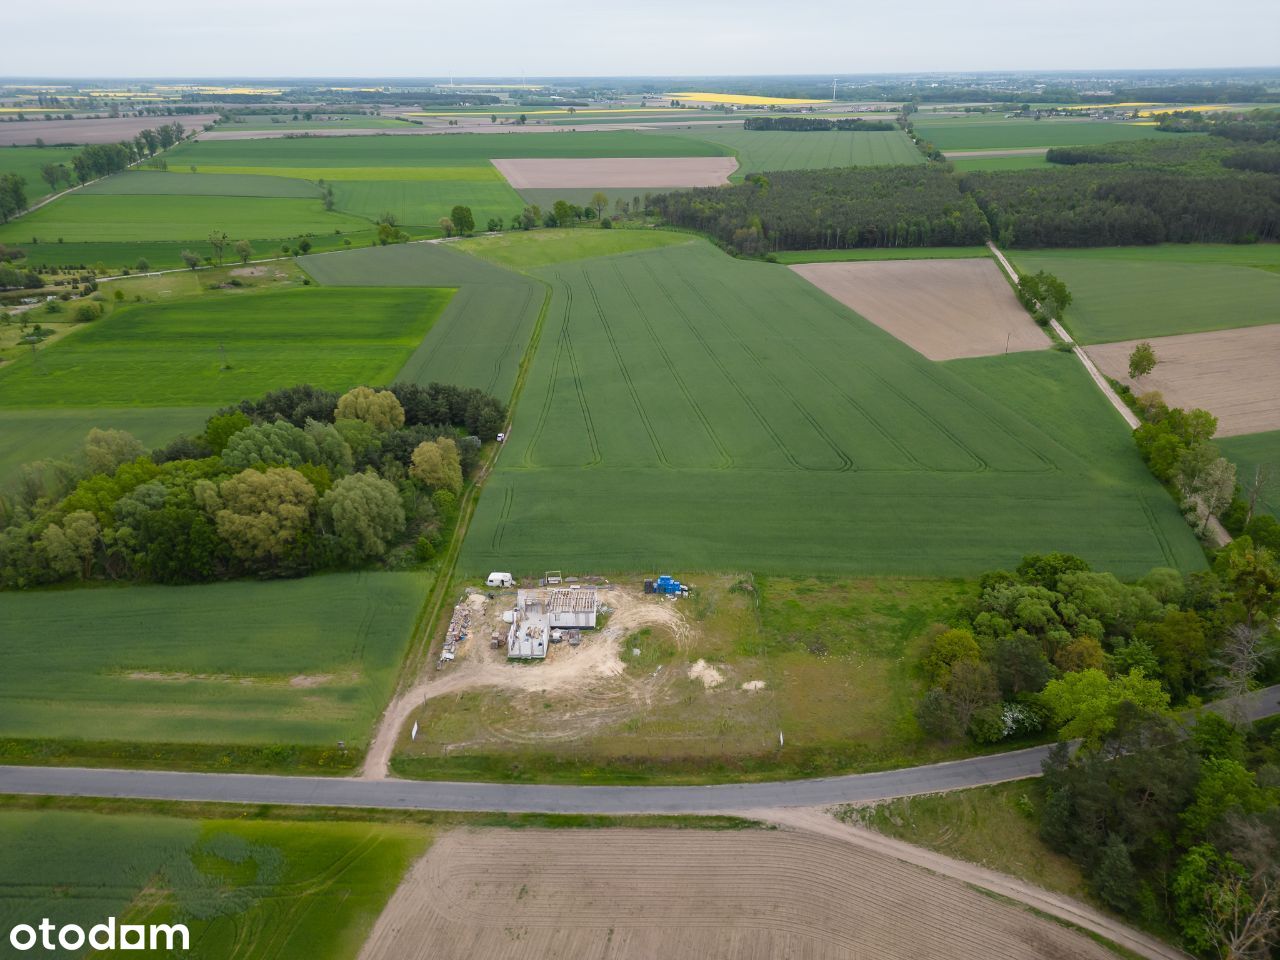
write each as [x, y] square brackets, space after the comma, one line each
[807, 124]
[1054, 645]
[300, 480]
[1044, 296]
[831, 209]
[1176, 826]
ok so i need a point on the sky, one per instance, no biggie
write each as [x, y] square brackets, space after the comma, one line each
[415, 38]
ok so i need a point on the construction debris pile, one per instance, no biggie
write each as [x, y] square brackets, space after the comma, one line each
[459, 627]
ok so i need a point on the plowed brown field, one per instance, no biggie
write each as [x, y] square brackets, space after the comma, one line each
[1234, 374]
[508, 895]
[944, 309]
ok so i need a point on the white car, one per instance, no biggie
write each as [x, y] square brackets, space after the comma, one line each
[502, 437]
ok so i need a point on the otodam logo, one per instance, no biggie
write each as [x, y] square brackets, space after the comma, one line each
[108, 935]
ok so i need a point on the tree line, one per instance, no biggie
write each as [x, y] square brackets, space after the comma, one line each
[300, 480]
[802, 124]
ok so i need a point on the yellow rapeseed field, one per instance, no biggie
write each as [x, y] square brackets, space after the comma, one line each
[741, 99]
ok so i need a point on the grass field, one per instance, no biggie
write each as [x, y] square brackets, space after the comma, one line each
[424, 202]
[157, 183]
[218, 350]
[993, 133]
[759, 150]
[995, 827]
[27, 435]
[246, 890]
[963, 164]
[27, 161]
[1123, 293]
[1249, 451]
[461, 150]
[478, 172]
[482, 334]
[674, 418]
[525, 250]
[98, 218]
[880, 253]
[307, 662]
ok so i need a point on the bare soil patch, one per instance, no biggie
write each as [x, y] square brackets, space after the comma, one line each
[684, 893]
[944, 309]
[1234, 374]
[105, 130]
[609, 172]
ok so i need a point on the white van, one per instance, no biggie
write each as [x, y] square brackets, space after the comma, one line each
[496, 579]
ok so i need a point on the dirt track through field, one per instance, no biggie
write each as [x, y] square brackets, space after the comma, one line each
[617, 172]
[944, 309]
[504, 895]
[1234, 374]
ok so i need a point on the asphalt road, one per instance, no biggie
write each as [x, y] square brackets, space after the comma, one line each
[527, 798]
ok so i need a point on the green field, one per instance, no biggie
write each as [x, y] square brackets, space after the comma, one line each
[963, 164]
[688, 410]
[100, 218]
[482, 334]
[424, 202]
[455, 150]
[1122, 293]
[759, 150]
[1249, 451]
[249, 890]
[880, 253]
[157, 183]
[217, 350]
[306, 662]
[525, 250]
[27, 161]
[995, 133]
[27, 435]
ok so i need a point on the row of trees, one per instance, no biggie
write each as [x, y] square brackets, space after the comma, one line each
[300, 480]
[13, 195]
[796, 124]
[100, 159]
[851, 207]
[1054, 645]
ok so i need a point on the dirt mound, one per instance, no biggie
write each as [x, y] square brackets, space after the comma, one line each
[684, 893]
[709, 675]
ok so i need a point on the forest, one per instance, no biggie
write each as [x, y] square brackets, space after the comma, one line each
[297, 481]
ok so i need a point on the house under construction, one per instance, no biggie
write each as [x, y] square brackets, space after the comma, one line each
[545, 616]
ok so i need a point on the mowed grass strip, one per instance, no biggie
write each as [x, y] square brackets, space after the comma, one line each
[1130, 292]
[761, 150]
[156, 183]
[299, 662]
[424, 202]
[454, 150]
[481, 336]
[214, 351]
[526, 250]
[688, 410]
[305, 890]
[93, 217]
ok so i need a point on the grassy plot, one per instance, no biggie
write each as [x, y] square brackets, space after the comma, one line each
[459, 150]
[246, 890]
[688, 410]
[1250, 451]
[424, 202]
[759, 150]
[83, 217]
[306, 662]
[217, 350]
[481, 335]
[994, 133]
[156, 183]
[1129, 292]
[27, 161]
[27, 435]
[481, 172]
[880, 253]
[963, 164]
[525, 250]
[829, 662]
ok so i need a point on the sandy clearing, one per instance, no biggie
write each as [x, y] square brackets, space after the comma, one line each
[1234, 374]
[617, 172]
[707, 674]
[105, 130]
[751, 686]
[944, 309]
[504, 895]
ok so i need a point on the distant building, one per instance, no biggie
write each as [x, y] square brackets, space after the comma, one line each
[540, 612]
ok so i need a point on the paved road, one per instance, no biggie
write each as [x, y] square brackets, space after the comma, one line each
[522, 798]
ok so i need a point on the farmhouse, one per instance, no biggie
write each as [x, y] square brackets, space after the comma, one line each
[545, 616]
